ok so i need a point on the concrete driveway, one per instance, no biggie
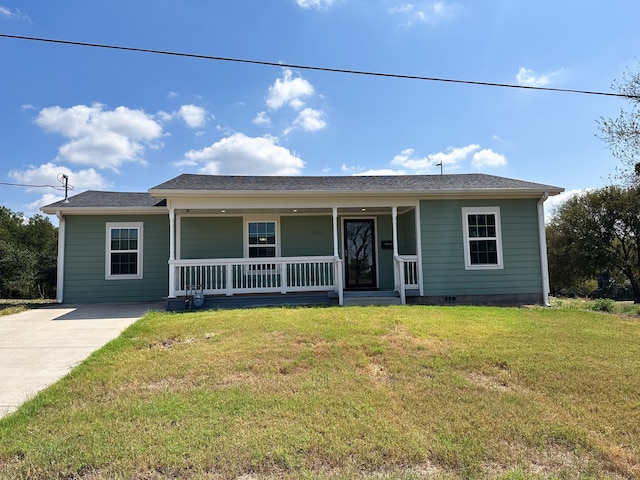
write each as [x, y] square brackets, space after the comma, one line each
[40, 346]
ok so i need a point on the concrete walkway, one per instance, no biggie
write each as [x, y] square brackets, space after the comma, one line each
[40, 346]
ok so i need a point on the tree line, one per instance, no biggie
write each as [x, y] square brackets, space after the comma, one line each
[593, 239]
[28, 256]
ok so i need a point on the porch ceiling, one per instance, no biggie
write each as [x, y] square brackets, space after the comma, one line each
[368, 210]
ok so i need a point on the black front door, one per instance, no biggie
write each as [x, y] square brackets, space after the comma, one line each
[359, 254]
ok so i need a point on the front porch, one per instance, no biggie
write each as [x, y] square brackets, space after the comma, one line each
[210, 283]
[284, 256]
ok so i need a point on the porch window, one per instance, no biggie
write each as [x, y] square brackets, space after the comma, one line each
[262, 239]
[482, 238]
[123, 251]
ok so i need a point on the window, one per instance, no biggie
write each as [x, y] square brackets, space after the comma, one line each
[262, 239]
[124, 251]
[482, 238]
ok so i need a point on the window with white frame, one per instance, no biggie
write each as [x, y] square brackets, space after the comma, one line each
[262, 239]
[123, 251]
[482, 238]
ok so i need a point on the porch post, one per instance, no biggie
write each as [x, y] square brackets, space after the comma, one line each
[394, 222]
[394, 219]
[398, 272]
[337, 259]
[335, 232]
[172, 252]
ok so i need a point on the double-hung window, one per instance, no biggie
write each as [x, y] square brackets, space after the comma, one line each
[123, 251]
[262, 241]
[482, 238]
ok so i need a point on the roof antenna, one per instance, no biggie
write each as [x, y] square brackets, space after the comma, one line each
[439, 165]
[66, 188]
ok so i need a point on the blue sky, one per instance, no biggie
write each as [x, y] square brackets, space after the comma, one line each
[126, 121]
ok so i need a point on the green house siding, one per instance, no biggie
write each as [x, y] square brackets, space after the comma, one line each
[306, 236]
[443, 251]
[407, 233]
[211, 237]
[85, 251]
[384, 256]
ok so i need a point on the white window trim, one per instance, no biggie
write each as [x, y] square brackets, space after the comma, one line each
[253, 219]
[466, 211]
[107, 266]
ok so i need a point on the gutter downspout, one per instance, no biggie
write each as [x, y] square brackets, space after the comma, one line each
[544, 266]
[60, 269]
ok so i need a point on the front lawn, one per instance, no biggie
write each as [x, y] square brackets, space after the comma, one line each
[9, 306]
[375, 392]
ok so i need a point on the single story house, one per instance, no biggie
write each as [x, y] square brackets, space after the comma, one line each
[215, 241]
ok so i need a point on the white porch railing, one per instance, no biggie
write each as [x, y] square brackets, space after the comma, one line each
[249, 275]
[275, 275]
[406, 274]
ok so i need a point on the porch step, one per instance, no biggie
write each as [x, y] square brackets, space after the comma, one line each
[367, 301]
[364, 299]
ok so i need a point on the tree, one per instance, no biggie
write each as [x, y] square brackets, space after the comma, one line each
[622, 134]
[595, 233]
[28, 256]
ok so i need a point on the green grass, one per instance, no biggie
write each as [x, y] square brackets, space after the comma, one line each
[9, 307]
[598, 305]
[376, 392]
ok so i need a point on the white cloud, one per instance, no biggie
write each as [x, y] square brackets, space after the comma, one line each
[13, 15]
[48, 174]
[310, 120]
[488, 158]
[262, 119]
[423, 12]
[381, 171]
[360, 171]
[99, 137]
[452, 157]
[552, 203]
[318, 4]
[530, 78]
[242, 155]
[288, 90]
[45, 199]
[193, 116]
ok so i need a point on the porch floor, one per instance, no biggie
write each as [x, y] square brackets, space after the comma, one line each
[214, 302]
[322, 299]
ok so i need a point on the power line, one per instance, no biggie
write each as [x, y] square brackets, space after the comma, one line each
[62, 178]
[321, 69]
[55, 187]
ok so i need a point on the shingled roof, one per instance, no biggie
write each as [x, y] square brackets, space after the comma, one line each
[381, 184]
[213, 184]
[97, 199]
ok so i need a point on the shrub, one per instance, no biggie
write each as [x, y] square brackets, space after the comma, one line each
[603, 305]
